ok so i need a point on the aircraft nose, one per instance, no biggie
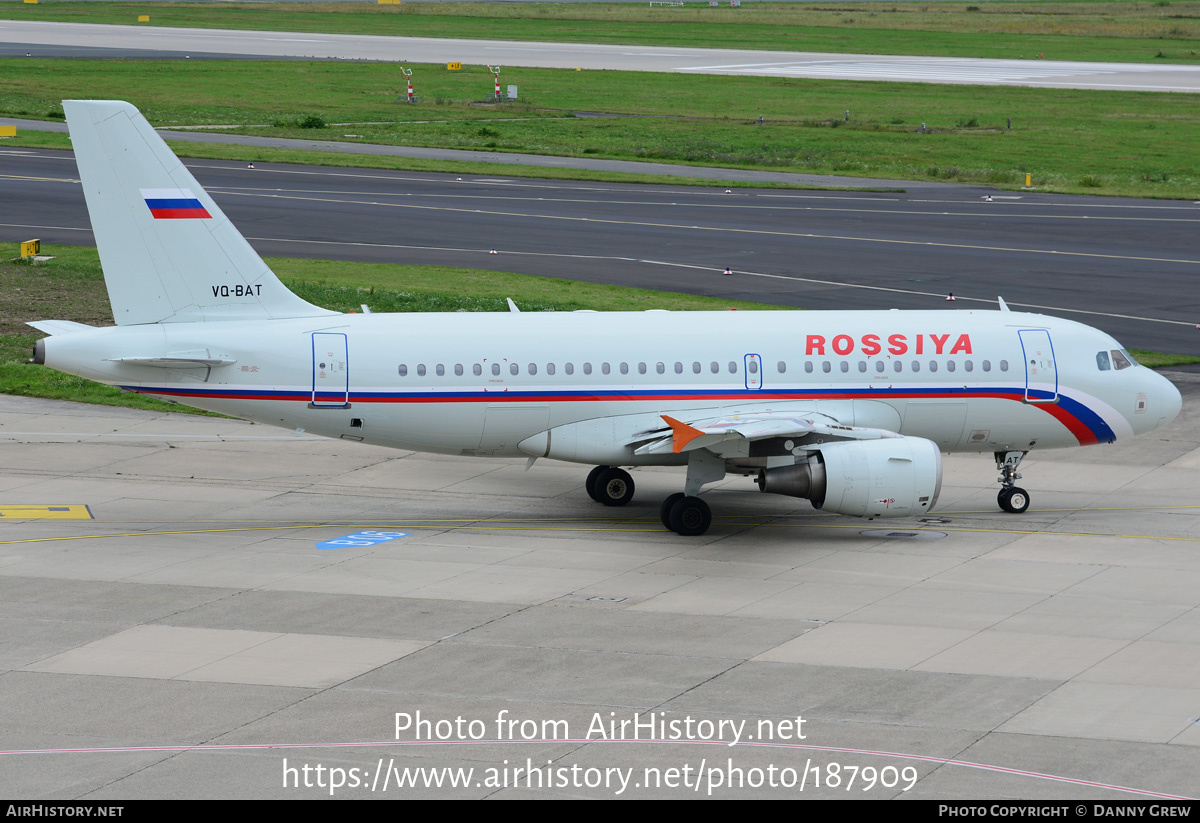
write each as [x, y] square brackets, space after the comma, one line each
[1171, 401]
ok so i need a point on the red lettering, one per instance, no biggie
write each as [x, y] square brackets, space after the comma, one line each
[939, 341]
[963, 345]
[816, 344]
[843, 344]
[920, 344]
[870, 344]
[897, 344]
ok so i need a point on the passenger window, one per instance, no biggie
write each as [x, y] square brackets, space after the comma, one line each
[496, 368]
[916, 365]
[862, 366]
[1003, 365]
[403, 370]
[879, 367]
[624, 368]
[549, 368]
[641, 368]
[733, 367]
[782, 367]
[661, 368]
[678, 367]
[987, 365]
[826, 367]
[477, 369]
[421, 370]
[569, 368]
[458, 370]
[441, 370]
[696, 367]
[949, 365]
[533, 368]
[844, 366]
[514, 369]
[969, 365]
[933, 365]
[899, 364]
[753, 367]
[587, 368]
[605, 368]
[808, 367]
[715, 367]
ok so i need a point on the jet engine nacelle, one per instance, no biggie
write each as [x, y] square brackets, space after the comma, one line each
[893, 477]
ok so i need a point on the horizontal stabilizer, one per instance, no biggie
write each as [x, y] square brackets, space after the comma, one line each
[53, 327]
[177, 360]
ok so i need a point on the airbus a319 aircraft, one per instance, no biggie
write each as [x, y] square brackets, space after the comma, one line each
[850, 409]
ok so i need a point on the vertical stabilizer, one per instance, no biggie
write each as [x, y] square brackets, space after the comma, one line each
[169, 254]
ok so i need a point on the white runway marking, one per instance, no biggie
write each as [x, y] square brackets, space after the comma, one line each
[949, 72]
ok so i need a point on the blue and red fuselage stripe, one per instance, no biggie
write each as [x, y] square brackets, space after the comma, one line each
[1086, 425]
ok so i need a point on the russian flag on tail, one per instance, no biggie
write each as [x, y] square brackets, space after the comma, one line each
[174, 204]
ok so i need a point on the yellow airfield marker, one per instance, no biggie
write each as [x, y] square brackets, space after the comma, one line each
[44, 512]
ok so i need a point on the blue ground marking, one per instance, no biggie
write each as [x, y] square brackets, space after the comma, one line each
[361, 540]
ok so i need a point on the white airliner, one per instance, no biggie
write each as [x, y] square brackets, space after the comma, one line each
[850, 409]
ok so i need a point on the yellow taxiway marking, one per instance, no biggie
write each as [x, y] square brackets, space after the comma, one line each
[45, 512]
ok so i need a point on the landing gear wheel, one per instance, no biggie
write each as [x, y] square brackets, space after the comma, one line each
[690, 516]
[1013, 500]
[664, 513]
[614, 487]
[590, 483]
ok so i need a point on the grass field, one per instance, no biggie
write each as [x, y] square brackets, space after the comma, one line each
[1111, 31]
[1095, 142]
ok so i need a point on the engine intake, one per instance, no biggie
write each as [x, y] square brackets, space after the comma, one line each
[893, 477]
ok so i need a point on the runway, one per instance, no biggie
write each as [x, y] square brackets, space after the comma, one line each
[953, 70]
[1125, 266]
[193, 639]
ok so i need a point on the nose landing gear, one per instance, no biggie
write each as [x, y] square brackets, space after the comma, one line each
[1011, 498]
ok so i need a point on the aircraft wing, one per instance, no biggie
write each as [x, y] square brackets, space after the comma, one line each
[716, 432]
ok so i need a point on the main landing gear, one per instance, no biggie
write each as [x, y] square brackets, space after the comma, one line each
[683, 512]
[685, 515]
[609, 485]
[1011, 498]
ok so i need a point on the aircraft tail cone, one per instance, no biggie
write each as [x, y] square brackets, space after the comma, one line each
[950, 296]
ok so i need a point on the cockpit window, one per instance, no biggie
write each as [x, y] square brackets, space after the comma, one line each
[1120, 360]
[1102, 361]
